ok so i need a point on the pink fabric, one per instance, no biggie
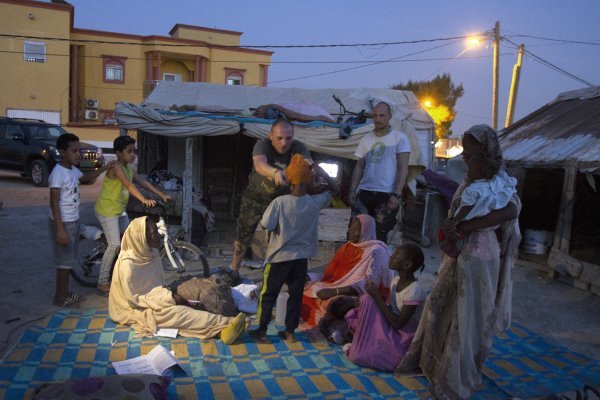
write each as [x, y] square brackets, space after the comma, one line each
[373, 265]
[376, 344]
[367, 228]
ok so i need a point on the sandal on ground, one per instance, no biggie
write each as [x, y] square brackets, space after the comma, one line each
[103, 289]
[72, 301]
[259, 336]
[287, 336]
[234, 329]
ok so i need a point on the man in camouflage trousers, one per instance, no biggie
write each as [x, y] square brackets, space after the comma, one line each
[267, 181]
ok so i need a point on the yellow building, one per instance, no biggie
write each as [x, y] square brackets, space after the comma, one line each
[74, 77]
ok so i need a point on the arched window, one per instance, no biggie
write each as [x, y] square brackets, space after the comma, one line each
[234, 76]
[114, 69]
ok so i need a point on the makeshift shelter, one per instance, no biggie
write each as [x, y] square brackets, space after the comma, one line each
[555, 152]
[214, 126]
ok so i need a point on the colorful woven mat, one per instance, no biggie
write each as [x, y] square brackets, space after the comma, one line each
[82, 343]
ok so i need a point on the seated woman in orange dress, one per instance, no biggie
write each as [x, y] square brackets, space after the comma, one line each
[361, 259]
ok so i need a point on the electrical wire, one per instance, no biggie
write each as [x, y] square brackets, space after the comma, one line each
[281, 62]
[550, 65]
[219, 46]
[361, 66]
[593, 43]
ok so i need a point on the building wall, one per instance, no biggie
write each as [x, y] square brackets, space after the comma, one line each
[215, 36]
[30, 85]
[91, 83]
[46, 86]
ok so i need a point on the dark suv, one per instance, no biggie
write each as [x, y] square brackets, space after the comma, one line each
[29, 146]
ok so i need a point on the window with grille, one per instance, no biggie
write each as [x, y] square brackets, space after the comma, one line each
[114, 69]
[34, 51]
[114, 72]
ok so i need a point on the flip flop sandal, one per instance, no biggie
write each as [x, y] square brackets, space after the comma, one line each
[73, 301]
[103, 290]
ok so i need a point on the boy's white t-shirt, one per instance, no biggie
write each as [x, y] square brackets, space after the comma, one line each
[67, 180]
[380, 153]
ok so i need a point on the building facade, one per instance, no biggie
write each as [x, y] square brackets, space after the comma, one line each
[74, 76]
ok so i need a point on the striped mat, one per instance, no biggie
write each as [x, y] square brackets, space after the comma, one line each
[83, 343]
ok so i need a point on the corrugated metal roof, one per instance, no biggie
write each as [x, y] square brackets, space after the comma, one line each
[566, 129]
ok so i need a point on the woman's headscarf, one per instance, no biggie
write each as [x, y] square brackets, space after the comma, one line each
[134, 245]
[485, 135]
[367, 228]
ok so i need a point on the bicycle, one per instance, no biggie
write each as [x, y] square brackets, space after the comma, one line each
[177, 256]
[359, 117]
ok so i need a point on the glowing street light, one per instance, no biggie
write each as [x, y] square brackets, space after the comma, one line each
[474, 41]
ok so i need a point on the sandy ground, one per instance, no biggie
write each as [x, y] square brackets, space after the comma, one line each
[547, 307]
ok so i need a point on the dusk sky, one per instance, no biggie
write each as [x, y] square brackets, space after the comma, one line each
[356, 22]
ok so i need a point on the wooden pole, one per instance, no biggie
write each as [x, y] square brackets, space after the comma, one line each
[562, 234]
[495, 75]
[234, 181]
[514, 88]
[186, 212]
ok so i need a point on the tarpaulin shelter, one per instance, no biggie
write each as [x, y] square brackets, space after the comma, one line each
[222, 111]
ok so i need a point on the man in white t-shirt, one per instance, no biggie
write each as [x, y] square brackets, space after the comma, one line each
[380, 172]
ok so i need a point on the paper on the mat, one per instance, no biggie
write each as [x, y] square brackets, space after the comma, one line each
[167, 332]
[156, 362]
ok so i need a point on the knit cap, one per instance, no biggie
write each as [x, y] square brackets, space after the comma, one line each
[298, 171]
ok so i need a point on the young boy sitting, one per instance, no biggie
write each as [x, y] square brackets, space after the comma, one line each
[64, 214]
[292, 221]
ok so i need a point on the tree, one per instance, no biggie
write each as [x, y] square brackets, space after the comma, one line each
[439, 97]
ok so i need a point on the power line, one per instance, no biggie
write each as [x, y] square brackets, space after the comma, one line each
[362, 66]
[282, 62]
[550, 65]
[593, 43]
[218, 46]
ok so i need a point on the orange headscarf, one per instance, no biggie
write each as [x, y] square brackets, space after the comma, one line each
[298, 171]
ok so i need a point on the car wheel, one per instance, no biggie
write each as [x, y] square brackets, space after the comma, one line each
[39, 173]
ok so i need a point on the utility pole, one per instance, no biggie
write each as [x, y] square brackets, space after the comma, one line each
[514, 88]
[495, 75]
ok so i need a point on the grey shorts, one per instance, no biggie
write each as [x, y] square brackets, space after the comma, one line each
[65, 257]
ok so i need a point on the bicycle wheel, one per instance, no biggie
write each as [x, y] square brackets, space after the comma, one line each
[87, 270]
[194, 260]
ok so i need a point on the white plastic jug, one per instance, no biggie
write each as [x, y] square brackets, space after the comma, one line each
[280, 308]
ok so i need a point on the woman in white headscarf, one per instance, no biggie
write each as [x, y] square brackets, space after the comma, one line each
[138, 296]
[471, 299]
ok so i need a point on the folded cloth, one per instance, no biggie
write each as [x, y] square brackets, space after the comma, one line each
[245, 297]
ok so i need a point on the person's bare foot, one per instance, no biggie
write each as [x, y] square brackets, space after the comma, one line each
[103, 289]
[288, 336]
[259, 336]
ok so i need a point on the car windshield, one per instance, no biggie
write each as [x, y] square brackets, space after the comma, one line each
[43, 132]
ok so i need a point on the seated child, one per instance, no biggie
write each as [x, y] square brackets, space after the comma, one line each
[489, 190]
[383, 332]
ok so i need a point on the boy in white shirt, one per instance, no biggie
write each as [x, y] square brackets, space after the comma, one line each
[64, 214]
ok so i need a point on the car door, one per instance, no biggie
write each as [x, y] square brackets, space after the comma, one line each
[13, 145]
